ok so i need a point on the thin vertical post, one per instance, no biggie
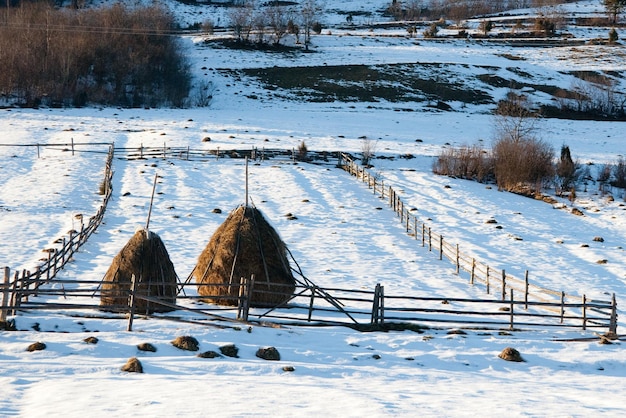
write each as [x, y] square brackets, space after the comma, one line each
[511, 311]
[458, 264]
[584, 312]
[141, 151]
[375, 305]
[133, 290]
[526, 290]
[311, 302]
[423, 235]
[430, 241]
[487, 279]
[613, 324]
[246, 182]
[441, 247]
[562, 305]
[164, 151]
[415, 227]
[503, 284]
[473, 271]
[72, 146]
[5, 294]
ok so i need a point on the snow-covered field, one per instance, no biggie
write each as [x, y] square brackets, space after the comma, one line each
[340, 238]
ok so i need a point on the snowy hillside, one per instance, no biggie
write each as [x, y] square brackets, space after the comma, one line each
[343, 236]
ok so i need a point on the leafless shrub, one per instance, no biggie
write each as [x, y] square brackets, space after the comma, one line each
[619, 173]
[469, 162]
[368, 148]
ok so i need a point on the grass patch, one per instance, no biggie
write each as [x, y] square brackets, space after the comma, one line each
[395, 83]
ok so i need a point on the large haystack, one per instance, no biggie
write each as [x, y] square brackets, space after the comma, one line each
[243, 246]
[144, 256]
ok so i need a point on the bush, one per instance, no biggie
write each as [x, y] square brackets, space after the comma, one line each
[468, 162]
[522, 165]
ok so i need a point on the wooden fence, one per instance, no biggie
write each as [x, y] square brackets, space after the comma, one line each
[520, 303]
[497, 282]
[25, 282]
[361, 309]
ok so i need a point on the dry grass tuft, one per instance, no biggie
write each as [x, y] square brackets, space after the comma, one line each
[133, 365]
[511, 354]
[186, 342]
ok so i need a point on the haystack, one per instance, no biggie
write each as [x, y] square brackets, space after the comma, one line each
[243, 246]
[146, 257]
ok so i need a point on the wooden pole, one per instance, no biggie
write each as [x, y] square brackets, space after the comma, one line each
[458, 264]
[487, 278]
[503, 284]
[156, 175]
[473, 270]
[526, 290]
[584, 312]
[511, 307]
[311, 303]
[133, 290]
[72, 146]
[246, 182]
[441, 247]
[5, 294]
[613, 324]
[562, 305]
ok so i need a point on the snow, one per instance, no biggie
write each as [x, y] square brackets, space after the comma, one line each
[340, 238]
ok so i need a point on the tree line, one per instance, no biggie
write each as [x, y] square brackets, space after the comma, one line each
[116, 56]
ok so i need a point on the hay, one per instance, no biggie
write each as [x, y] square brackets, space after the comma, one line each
[146, 257]
[186, 342]
[511, 354]
[133, 365]
[245, 245]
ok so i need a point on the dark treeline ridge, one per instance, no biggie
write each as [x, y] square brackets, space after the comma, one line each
[115, 56]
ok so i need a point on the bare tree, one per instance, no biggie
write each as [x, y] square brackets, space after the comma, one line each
[277, 20]
[310, 12]
[614, 8]
[241, 19]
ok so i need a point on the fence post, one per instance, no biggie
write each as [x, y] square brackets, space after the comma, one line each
[526, 290]
[141, 151]
[408, 225]
[311, 303]
[72, 146]
[613, 324]
[473, 270]
[430, 241]
[504, 284]
[562, 305]
[423, 235]
[415, 226]
[133, 289]
[487, 278]
[441, 247]
[164, 151]
[5, 294]
[458, 264]
[511, 310]
[584, 312]
[375, 306]
[15, 302]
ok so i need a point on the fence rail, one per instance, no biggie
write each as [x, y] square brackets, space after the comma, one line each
[313, 305]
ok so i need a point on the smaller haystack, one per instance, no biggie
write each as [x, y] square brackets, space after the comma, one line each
[245, 245]
[146, 257]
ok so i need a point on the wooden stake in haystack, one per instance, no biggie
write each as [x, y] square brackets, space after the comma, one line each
[145, 257]
[245, 245]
